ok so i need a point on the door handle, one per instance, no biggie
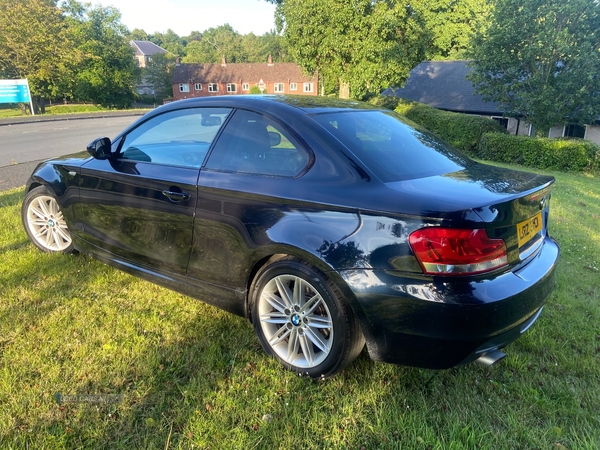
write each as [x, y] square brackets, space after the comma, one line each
[176, 196]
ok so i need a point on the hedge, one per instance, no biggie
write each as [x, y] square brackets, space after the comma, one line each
[463, 131]
[560, 154]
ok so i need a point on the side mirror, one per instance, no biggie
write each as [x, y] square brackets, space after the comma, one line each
[100, 148]
[274, 139]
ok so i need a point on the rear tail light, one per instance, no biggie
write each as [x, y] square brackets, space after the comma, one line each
[451, 251]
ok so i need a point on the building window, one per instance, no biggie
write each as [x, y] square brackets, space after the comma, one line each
[502, 121]
[279, 87]
[198, 86]
[184, 87]
[308, 87]
[213, 87]
[293, 86]
[245, 86]
[575, 131]
[231, 87]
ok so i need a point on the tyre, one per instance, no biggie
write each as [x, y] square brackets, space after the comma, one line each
[44, 222]
[302, 319]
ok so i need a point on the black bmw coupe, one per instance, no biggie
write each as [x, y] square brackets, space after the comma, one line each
[326, 223]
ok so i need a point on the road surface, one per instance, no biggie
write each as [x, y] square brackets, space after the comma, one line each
[22, 146]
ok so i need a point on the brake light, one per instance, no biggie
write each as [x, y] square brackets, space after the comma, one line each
[452, 251]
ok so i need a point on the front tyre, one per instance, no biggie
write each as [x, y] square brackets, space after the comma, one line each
[302, 320]
[44, 222]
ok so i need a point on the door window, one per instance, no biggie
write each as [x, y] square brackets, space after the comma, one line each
[179, 138]
[252, 143]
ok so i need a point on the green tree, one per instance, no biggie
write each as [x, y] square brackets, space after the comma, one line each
[541, 59]
[35, 44]
[159, 72]
[170, 41]
[366, 45]
[138, 35]
[108, 71]
[215, 44]
[452, 25]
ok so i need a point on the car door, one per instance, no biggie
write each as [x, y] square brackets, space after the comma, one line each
[238, 196]
[139, 205]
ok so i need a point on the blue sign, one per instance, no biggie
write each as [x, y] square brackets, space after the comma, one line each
[14, 91]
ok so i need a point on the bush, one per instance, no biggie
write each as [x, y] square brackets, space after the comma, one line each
[463, 131]
[560, 154]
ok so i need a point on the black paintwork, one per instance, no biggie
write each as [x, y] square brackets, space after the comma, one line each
[212, 232]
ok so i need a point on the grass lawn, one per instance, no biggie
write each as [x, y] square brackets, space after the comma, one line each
[93, 358]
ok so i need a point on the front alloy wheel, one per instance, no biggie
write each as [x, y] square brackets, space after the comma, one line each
[301, 319]
[44, 222]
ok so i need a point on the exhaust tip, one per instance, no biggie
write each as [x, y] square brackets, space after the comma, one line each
[490, 358]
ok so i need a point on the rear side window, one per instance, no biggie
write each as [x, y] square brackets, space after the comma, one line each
[253, 143]
[391, 148]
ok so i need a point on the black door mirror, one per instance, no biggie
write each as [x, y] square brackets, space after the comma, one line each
[274, 139]
[100, 148]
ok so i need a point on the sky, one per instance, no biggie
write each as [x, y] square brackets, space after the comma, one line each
[184, 16]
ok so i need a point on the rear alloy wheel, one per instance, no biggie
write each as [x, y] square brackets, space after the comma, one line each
[44, 222]
[302, 320]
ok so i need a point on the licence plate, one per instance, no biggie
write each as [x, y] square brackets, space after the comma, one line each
[527, 229]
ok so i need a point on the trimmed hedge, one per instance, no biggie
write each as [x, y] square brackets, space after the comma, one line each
[541, 153]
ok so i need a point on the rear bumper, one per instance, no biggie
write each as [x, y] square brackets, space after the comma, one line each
[439, 323]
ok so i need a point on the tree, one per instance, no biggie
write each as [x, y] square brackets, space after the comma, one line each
[108, 72]
[541, 59]
[365, 45]
[159, 72]
[35, 44]
[452, 25]
[170, 41]
[215, 44]
[138, 35]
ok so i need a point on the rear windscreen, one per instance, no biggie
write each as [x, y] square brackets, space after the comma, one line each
[390, 147]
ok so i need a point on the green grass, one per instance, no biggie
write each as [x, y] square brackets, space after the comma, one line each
[138, 366]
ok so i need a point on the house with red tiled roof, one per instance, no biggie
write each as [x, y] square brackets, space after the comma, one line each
[203, 80]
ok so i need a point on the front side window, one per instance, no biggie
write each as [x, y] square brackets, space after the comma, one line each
[184, 87]
[231, 87]
[392, 149]
[179, 138]
[213, 87]
[279, 87]
[252, 143]
[308, 87]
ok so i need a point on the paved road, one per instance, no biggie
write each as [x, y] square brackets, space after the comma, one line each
[23, 145]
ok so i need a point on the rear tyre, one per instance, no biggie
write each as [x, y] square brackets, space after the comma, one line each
[302, 320]
[44, 222]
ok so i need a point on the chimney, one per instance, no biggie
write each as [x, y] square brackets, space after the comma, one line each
[223, 61]
[270, 60]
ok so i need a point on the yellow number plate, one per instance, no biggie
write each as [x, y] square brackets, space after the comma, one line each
[527, 229]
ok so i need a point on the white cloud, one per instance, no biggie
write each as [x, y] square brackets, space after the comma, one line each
[184, 16]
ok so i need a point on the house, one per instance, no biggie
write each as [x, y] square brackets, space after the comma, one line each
[144, 51]
[444, 85]
[143, 54]
[203, 80]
